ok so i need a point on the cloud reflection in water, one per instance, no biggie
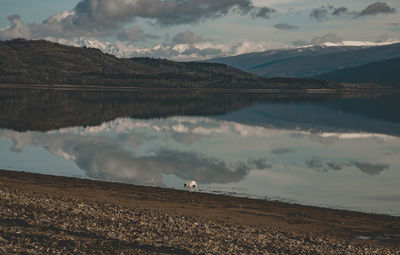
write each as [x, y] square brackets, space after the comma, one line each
[105, 158]
[323, 165]
[312, 168]
[111, 151]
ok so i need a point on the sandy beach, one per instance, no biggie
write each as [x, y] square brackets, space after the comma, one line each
[43, 214]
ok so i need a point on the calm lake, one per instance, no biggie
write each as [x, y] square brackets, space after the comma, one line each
[331, 151]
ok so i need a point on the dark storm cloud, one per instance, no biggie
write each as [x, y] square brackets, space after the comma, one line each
[285, 26]
[377, 8]
[105, 18]
[321, 164]
[163, 12]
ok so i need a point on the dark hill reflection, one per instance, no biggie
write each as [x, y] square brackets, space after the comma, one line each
[342, 114]
[42, 110]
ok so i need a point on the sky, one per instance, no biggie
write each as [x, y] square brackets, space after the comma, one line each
[198, 29]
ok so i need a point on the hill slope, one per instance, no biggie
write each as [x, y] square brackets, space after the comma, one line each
[43, 62]
[311, 61]
[384, 72]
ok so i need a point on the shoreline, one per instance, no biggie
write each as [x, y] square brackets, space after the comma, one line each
[67, 87]
[296, 222]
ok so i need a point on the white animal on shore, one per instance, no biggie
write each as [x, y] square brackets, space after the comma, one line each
[190, 186]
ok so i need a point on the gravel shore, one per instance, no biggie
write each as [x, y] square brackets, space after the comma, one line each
[52, 219]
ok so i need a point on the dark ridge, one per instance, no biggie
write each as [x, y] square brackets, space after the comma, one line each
[309, 61]
[384, 72]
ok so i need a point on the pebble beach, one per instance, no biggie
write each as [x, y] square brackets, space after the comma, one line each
[43, 214]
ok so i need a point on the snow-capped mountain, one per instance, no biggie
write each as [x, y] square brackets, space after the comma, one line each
[202, 50]
[180, 52]
[358, 43]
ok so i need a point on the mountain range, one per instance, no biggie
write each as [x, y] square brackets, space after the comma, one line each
[324, 66]
[315, 61]
[44, 62]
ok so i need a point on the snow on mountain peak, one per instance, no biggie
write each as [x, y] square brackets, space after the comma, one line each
[201, 50]
[359, 43]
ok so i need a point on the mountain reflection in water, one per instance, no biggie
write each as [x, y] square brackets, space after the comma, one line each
[43, 110]
[313, 151]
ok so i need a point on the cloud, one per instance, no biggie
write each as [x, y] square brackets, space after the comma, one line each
[259, 163]
[280, 151]
[285, 26]
[264, 12]
[315, 163]
[326, 38]
[134, 33]
[16, 30]
[297, 135]
[326, 140]
[369, 168]
[321, 164]
[300, 43]
[186, 138]
[203, 53]
[187, 37]
[334, 165]
[320, 13]
[318, 40]
[172, 12]
[376, 8]
[107, 158]
[326, 11]
[101, 18]
[340, 11]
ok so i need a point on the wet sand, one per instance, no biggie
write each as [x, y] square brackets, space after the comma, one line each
[50, 214]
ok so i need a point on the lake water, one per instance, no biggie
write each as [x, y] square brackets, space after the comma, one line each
[326, 151]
